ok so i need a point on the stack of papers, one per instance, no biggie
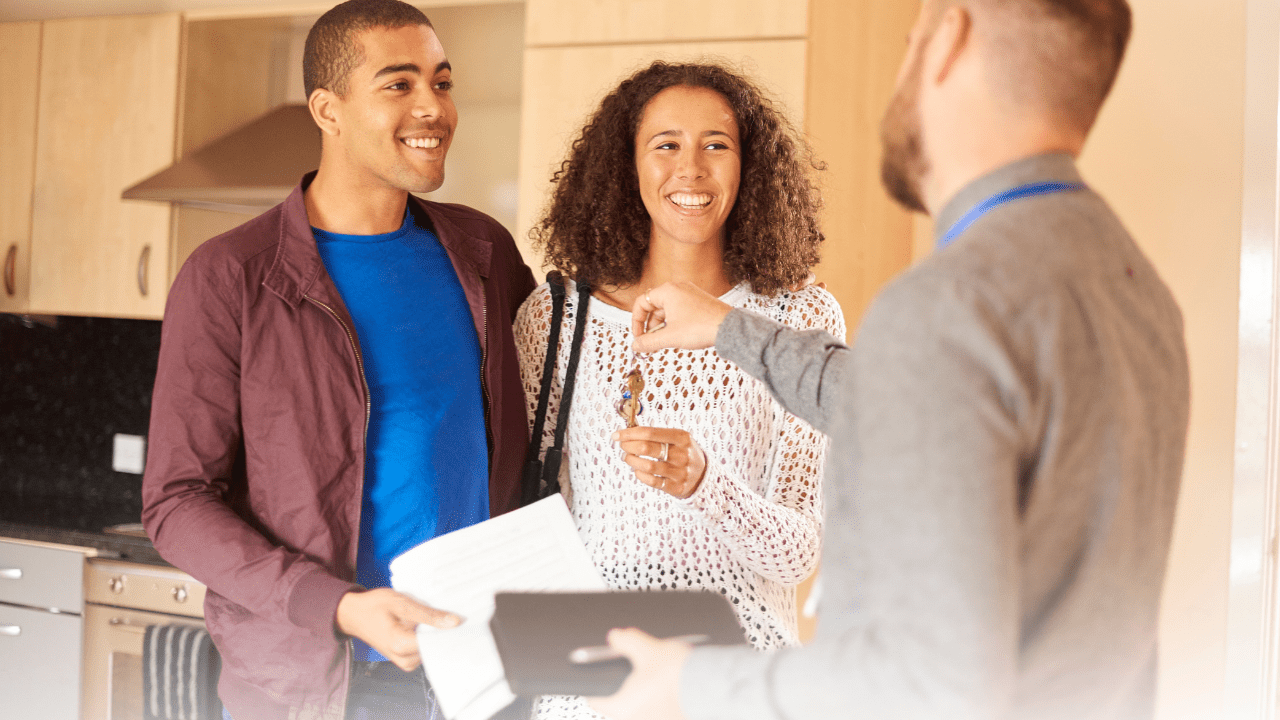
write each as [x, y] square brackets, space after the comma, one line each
[533, 549]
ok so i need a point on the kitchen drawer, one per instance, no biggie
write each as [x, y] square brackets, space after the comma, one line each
[41, 576]
[40, 653]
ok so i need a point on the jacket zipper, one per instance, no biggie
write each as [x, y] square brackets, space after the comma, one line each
[368, 403]
[484, 361]
[368, 413]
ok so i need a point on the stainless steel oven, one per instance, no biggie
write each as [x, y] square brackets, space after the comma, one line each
[121, 600]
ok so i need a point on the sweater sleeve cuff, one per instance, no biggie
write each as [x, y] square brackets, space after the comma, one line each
[743, 338]
[313, 604]
[710, 499]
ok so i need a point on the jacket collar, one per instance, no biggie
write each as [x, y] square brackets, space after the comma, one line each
[298, 267]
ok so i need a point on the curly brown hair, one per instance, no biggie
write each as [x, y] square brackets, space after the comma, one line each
[597, 229]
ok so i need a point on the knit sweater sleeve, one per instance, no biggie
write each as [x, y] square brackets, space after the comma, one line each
[777, 534]
[532, 328]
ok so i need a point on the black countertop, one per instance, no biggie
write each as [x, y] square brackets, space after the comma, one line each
[123, 547]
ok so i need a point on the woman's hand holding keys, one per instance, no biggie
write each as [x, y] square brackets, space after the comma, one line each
[663, 458]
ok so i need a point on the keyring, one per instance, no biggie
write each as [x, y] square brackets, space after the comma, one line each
[666, 447]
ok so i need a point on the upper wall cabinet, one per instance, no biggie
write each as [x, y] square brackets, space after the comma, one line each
[569, 22]
[19, 70]
[106, 118]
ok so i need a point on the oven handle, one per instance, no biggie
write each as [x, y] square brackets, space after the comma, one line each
[123, 624]
[11, 630]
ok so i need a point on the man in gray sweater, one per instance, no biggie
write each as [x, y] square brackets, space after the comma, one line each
[1008, 430]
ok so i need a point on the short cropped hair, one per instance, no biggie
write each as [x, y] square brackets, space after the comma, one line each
[332, 50]
[597, 229]
[1060, 55]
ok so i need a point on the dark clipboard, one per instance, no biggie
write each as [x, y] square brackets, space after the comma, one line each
[535, 632]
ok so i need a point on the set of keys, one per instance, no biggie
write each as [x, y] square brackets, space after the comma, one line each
[629, 407]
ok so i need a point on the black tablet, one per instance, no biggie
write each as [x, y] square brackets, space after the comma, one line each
[536, 634]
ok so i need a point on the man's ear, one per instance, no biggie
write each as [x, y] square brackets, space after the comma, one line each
[949, 42]
[323, 105]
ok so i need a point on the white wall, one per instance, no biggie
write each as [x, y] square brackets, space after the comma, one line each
[1168, 154]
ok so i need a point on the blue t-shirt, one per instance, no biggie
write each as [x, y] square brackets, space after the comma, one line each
[426, 457]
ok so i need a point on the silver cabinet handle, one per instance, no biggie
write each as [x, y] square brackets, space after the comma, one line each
[143, 262]
[10, 271]
[11, 573]
[123, 624]
[11, 630]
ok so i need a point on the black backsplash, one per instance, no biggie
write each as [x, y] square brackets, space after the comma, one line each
[64, 392]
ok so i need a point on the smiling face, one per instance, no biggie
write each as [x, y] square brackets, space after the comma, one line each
[394, 126]
[688, 159]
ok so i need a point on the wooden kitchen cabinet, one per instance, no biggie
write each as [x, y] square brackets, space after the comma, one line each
[570, 22]
[19, 71]
[108, 91]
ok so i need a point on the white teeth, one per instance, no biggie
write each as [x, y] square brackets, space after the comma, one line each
[422, 142]
[690, 201]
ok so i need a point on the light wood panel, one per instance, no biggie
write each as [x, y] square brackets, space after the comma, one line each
[108, 100]
[562, 86]
[854, 53]
[224, 9]
[571, 22]
[486, 47]
[19, 76]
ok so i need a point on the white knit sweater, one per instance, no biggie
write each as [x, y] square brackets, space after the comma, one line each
[752, 529]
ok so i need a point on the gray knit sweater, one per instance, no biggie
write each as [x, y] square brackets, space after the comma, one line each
[1007, 442]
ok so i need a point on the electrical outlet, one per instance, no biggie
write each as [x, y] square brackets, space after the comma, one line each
[129, 453]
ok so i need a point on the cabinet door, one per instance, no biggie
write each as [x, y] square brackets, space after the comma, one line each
[573, 22]
[107, 119]
[40, 654]
[19, 71]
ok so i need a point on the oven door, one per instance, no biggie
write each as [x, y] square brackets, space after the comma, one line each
[113, 660]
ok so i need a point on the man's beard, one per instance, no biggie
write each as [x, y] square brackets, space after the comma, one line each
[903, 164]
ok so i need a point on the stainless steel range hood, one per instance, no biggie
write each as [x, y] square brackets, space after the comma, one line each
[247, 170]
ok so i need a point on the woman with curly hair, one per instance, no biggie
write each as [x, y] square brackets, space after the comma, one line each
[684, 172]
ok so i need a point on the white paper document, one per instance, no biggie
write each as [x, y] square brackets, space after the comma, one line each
[535, 548]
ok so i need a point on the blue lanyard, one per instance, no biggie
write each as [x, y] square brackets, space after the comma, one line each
[995, 201]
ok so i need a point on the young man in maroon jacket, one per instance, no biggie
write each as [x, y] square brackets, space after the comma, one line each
[338, 382]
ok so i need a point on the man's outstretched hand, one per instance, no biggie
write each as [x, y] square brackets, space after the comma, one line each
[677, 315]
[652, 690]
[387, 620]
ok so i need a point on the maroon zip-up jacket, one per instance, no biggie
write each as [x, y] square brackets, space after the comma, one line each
[257, 444]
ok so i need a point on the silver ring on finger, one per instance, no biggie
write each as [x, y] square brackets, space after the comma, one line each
[666, 448]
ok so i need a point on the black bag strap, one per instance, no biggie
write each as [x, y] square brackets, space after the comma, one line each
[532, 479]
[551, 464]
[541, 476]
